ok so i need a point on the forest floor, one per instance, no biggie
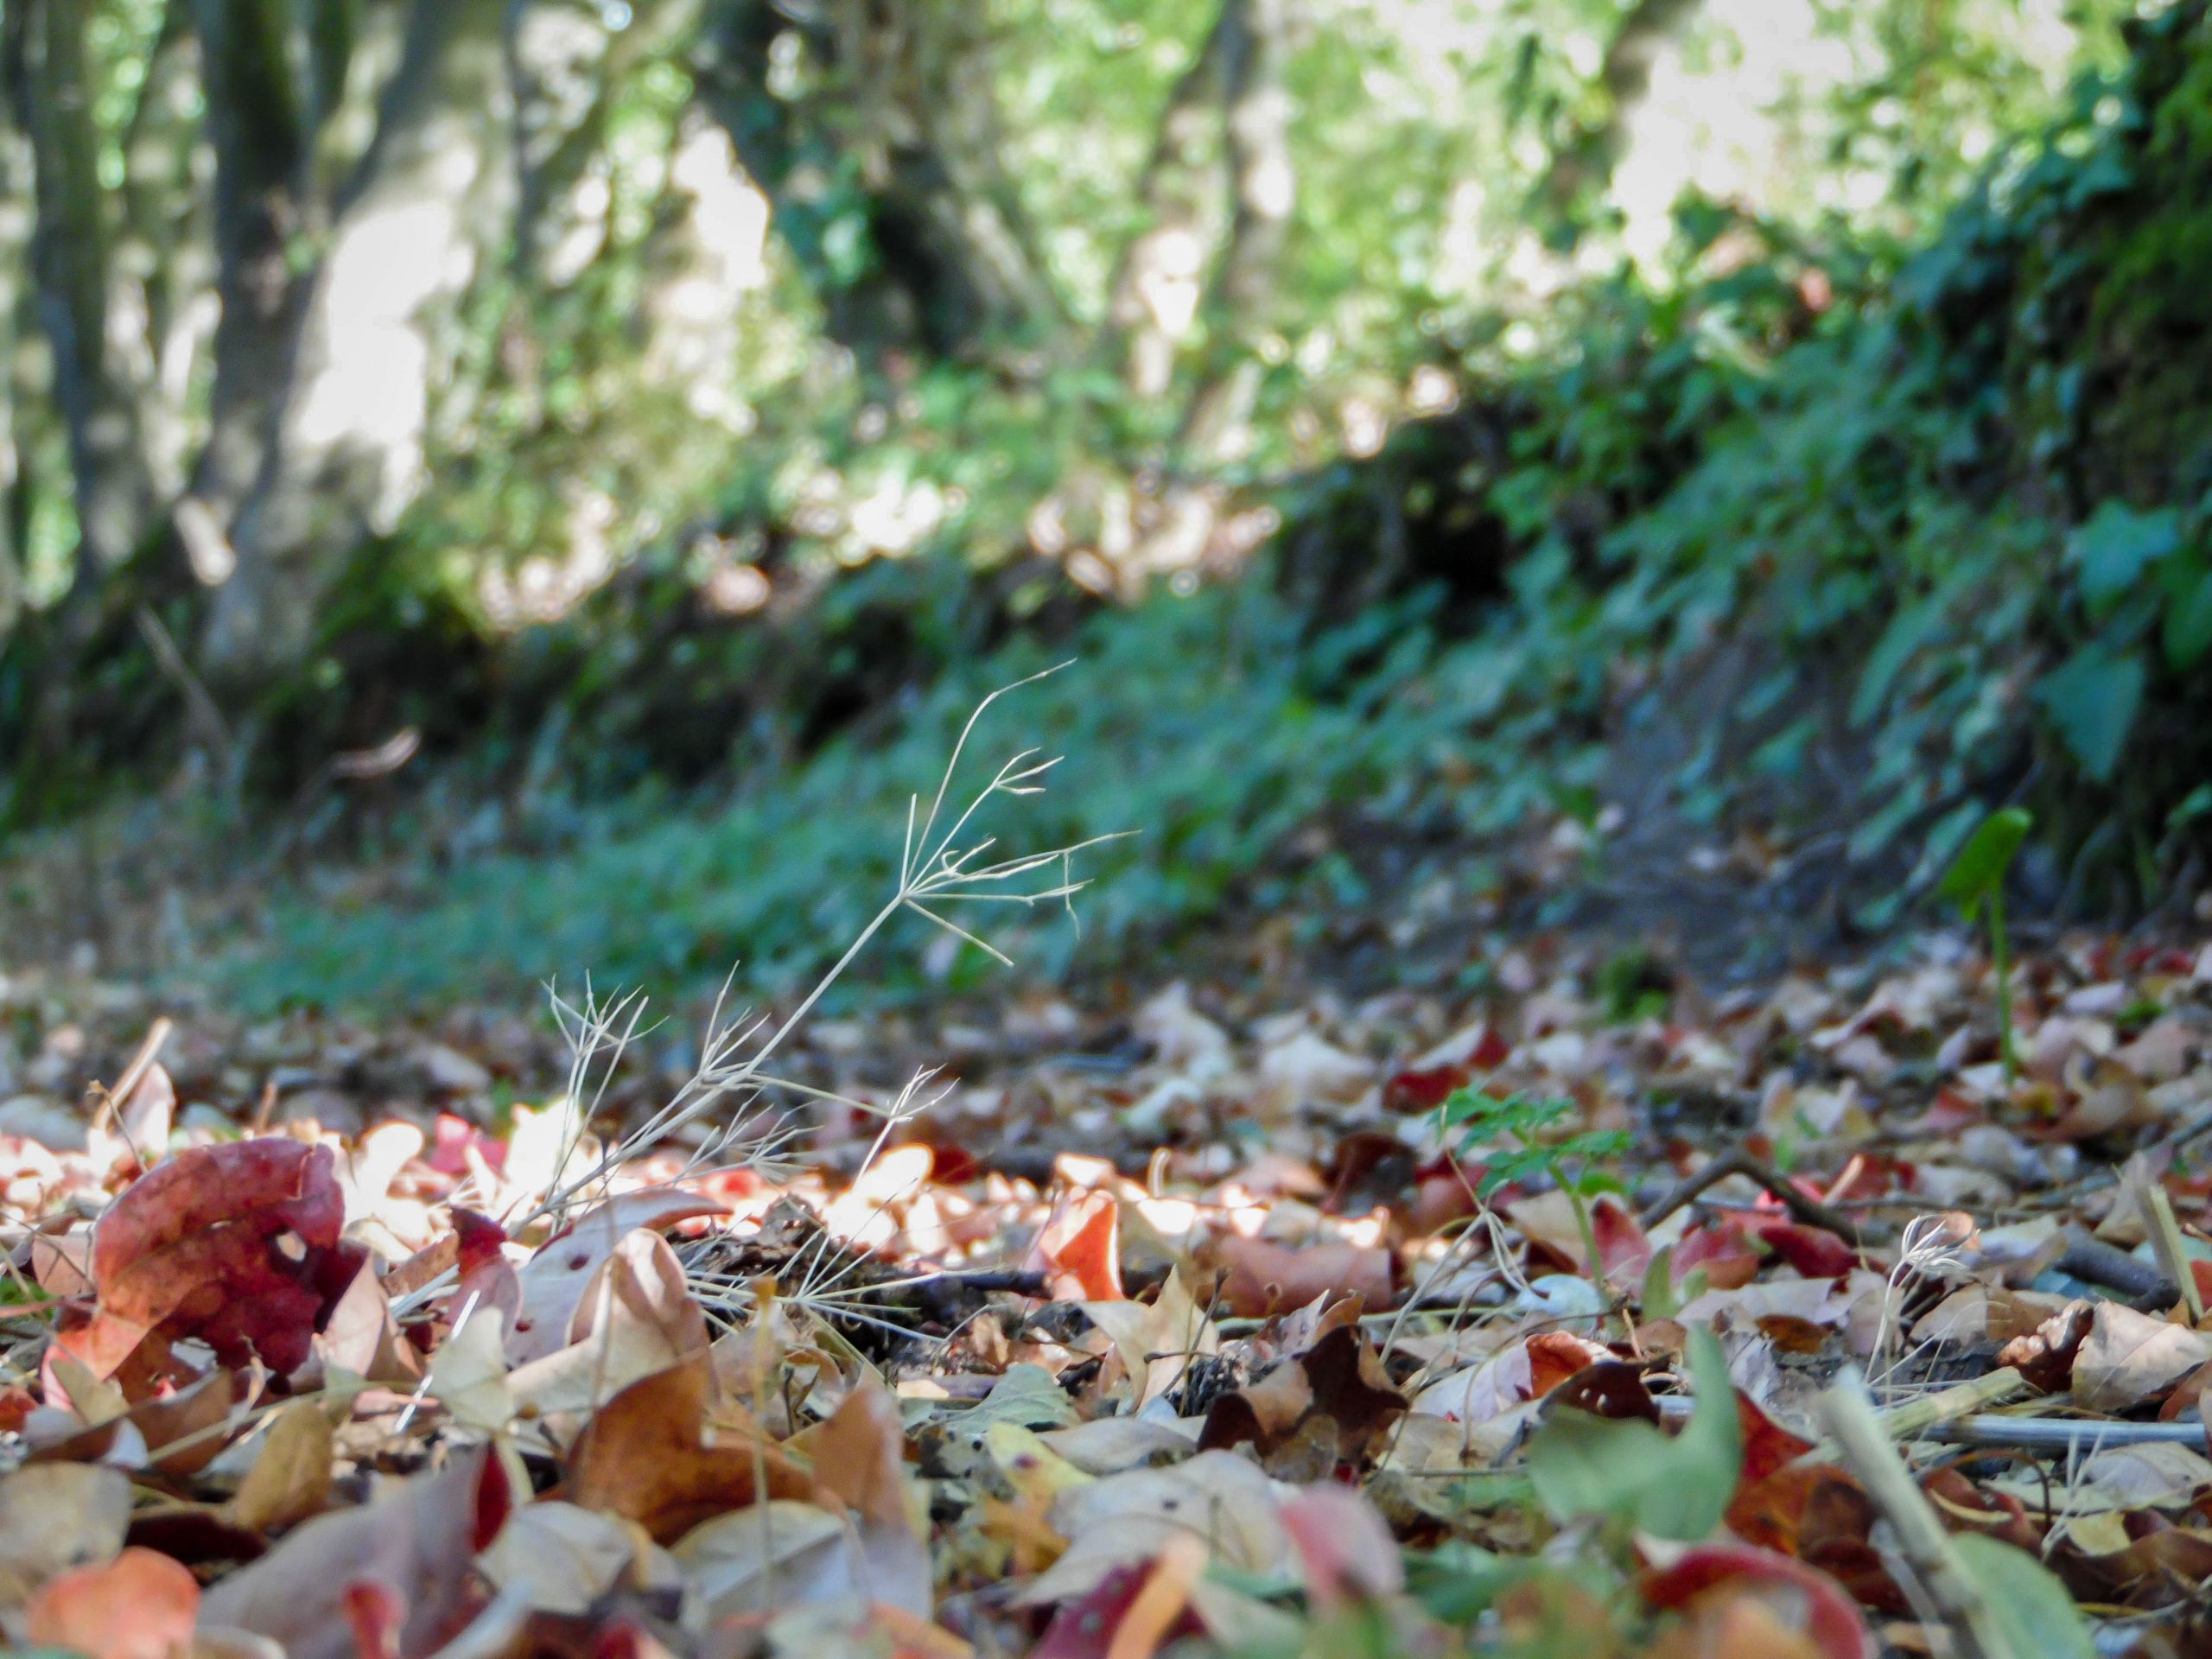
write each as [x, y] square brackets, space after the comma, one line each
[1253, 1308]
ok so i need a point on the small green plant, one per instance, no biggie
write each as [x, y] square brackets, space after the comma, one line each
[1976, 881]
[1675, 1487]
[1516, 1138]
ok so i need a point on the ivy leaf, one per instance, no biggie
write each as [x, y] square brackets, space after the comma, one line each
[1676, 1486]
[1979, 870]
[2188, 622]
[2025, 1599]
[2116, 546]
[2091, 698]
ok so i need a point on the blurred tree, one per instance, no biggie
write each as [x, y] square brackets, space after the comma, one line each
[333, 309]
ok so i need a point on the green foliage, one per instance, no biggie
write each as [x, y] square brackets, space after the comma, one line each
[1976, 881]
[1672, 1487]
[1516, 1137]
[1977, 873]
[2025, 1599]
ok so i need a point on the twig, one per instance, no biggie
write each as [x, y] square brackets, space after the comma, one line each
[1737, 1161]
[2166, 1244]
[2063, 1434]
[149, 1048]
[2095, 1262]
[1922, 1542]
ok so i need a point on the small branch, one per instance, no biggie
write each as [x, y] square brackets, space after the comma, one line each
[1737, 1161]
[1867, 1451]
[2095, 1262]
[2057, 1436]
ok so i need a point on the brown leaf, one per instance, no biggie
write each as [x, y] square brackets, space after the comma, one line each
[402, 1562]
[2045, 1358]
[58, 1515]
[553, 1280]
[1259, 1278]
[2128, 1357]
[650, 1456]
[290, 1480]
[1339, 1382]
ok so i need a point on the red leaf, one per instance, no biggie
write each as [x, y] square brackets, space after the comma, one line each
[236, 1245]
[1809, 1599]
[1721, 1250]
[1814, 1251]
[448, 1153]
[1624, 1252]
[1084, 1628]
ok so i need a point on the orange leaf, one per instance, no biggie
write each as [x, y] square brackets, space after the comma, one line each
[1081, 1248]
[140, 1605]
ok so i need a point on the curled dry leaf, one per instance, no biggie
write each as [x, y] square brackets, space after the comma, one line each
[2128, 1357]
[237, 1245]
[553, 1280]
[634, 1318]
[1332, 1403]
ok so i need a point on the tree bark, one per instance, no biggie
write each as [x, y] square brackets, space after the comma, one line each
[162, 273]
[889, 183]
[566, 64]
[258, 125]
[1153, 298]
[1254, 52]
[1583, 166]
[71, 250]
[15, 215]
[345, 455]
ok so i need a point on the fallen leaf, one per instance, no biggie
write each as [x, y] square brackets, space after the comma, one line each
[650, 1456]
[401, 1562]
[1079, 1249]
[55, 1517]
[290, 1480]
[1805, 1601]
[2128, 1357]
[236, 1244]
[140, 1605]
[1260, 1278]
[553, 1282]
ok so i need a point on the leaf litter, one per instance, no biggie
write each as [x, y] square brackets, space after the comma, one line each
[1792, 1321]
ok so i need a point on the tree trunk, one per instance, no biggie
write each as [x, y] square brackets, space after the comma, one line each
[345, 455]
[163, 275]
[1153, 298]
[565, 64]
[255, 118]
[1584, 166]
[16, 216]
[72, 272]
[1254, 51]
[888, 185]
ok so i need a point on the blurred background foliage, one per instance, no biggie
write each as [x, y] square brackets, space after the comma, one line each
[494, 487]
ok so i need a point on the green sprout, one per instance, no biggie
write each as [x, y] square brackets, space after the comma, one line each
[1517, 1139]
[1976, 880]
